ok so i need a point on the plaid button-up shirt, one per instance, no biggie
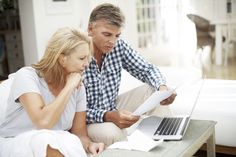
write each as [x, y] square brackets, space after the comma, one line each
[102, 86]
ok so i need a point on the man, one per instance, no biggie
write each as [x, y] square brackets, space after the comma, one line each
[105, 115]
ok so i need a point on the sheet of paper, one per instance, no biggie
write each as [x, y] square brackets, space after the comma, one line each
[120, 145]
[133, 127]
[152, 102]
[136, 141]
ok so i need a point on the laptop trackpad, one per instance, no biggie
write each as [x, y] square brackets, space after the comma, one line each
[149, 125]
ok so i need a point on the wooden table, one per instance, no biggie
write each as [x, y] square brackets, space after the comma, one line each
[198, 133]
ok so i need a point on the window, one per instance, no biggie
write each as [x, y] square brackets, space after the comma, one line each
[146, 22]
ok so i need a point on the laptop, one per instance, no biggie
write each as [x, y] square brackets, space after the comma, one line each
[167, 128]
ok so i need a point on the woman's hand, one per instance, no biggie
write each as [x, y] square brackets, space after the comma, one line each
[74, 80]
[79, 128]
[95, 148]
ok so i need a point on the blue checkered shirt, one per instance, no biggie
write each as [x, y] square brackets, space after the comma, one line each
[102, 86]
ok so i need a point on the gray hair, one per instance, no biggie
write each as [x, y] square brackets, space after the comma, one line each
[112, 14]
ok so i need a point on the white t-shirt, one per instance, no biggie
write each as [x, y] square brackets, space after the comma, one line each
[26, 80]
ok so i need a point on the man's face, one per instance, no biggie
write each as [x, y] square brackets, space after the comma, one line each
[104, 35]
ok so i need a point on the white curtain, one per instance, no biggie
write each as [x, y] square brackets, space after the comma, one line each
[177, 32]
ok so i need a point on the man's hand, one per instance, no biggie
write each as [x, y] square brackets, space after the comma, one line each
[170, 99]
[122, 118]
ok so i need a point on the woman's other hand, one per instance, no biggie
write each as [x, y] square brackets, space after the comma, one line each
[95, 148]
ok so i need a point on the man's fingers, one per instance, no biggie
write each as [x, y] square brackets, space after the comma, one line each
[126, 115]
[126, 119]
[169, 100]
[127, 123]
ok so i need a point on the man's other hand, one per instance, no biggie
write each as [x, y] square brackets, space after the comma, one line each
[122, 118]
[168, 100]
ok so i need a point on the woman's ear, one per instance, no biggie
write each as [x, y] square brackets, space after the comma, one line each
[62, 60]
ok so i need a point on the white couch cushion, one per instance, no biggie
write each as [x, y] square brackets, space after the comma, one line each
[4, 93]
[216, 102]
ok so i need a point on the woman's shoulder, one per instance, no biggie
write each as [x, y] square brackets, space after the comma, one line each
[26, 69]
[25, 73]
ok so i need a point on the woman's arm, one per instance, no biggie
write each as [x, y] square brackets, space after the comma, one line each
[46, 116]
[79, 128]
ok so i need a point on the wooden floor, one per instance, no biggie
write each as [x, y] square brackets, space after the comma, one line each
[221, 151]
[227, 72]
[202, 153]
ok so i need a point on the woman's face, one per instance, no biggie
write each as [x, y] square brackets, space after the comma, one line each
[78, 59]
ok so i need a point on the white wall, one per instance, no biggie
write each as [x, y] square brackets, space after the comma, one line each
[28, 31]
[130, 30]
[204, 8]
[41, 18]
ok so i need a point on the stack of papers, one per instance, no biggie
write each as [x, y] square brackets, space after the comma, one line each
[136, 141]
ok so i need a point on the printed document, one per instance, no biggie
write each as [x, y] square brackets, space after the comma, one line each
[136, 141]
[152, 102]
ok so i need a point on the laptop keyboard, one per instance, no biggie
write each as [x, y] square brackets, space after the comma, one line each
[169, 126]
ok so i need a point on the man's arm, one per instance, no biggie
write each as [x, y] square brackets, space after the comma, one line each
[95, 115]
[138, 67]
[146, 72]
[122, 118]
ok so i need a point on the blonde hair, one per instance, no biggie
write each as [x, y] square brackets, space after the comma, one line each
[63, 41]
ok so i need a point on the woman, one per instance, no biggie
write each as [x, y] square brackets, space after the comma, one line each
[46, 107]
